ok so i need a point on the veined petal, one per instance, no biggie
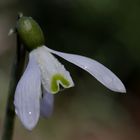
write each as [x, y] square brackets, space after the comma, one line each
[46, 104]
[99, 71]
[27, 95]
[53, 73]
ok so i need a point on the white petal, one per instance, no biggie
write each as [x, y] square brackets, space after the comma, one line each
[46, 104]
[99, 71]
[53, 73]
[27, 95]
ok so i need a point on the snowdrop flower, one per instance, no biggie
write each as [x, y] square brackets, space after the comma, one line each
[45, 75]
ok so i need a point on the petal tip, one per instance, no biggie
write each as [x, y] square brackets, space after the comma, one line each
[47, 105]
[120, 88]
[29, 125]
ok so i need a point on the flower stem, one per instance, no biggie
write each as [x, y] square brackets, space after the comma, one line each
[17, 70]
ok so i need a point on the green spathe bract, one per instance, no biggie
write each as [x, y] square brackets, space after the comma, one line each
[30, 33]
[56, 80]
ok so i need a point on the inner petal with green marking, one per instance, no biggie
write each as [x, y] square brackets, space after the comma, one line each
[57, 81]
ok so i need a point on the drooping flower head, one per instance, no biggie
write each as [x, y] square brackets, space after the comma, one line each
[44, 75]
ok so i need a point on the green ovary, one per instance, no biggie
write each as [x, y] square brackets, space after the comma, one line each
[58, 78]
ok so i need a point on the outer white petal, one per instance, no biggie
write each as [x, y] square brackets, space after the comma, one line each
[27, 95]
[46, 104]
[99, 71]
[52, 71]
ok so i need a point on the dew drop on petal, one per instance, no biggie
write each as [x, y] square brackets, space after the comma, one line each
[30, 113]
[85, 67]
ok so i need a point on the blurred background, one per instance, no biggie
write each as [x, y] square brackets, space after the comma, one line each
[105, 30]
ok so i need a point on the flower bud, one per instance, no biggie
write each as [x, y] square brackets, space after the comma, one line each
[30, 33]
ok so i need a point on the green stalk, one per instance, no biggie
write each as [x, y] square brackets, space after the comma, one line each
[17, 71]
